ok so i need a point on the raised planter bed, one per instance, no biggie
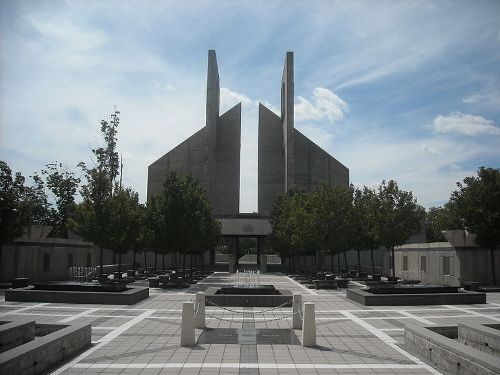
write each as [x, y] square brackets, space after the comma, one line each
[41, 354]
[272, 299]
[129, 296]
[437, 346]
[410, 299]
[85, 287]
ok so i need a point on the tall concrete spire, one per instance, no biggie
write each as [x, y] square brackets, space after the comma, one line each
[287, 118]
[212, 116]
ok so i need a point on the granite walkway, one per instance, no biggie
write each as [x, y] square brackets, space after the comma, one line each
[352, 339]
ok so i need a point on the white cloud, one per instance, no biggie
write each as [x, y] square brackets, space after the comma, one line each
[320, 136]
[429, 149]
[431, 177]
[228, 99]
[325, 105]
[463, 123]
[487, 100]
[472, 99]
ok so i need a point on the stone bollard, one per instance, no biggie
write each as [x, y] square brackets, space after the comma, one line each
[199, 320]
[309, 325]
[187, 326]
[231, 263]
[263, 263]
[296, 306]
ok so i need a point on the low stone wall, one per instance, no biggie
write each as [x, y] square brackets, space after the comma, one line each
[448, 355]
[13, 334]
[370, 299]
[128, 297]
[485, 338]
[43, 353]
[238, 300]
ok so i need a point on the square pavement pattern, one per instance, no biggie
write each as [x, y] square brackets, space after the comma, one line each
[351, 338]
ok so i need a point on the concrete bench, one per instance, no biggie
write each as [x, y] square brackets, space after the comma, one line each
[325, 284]
[154, 282]
[471, 285]
[43, 353]
[342, 283]
[20, 282]
[447, 354]
[485, 338]
[16, 333]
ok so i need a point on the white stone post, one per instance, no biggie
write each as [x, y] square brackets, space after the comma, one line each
[187, 326]
[296, 306]
[263, 263]
[231, 263]
[309, 325]
[199, 320]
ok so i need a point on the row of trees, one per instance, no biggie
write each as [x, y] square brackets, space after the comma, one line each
[178, 220]
[336, 219]
[24, 204]
[475, 206]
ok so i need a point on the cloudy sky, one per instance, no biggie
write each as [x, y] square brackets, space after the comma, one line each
[404, 90]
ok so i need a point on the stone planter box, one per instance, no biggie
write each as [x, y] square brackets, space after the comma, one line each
[460, 298]
[130, 296]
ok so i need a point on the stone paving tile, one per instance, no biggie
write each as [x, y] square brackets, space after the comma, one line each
[154, 340]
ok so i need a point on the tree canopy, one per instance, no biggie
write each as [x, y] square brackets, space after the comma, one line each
[180, 217]
[339, 218]
[478, 204]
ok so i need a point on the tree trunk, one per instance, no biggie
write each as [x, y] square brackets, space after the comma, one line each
[331, 261]
[145, 259]
[156, 260]
[163, 260]
[492, 252]
[359, 261]
[338, 260]
[393, 269]
[373, 262]
[120, 262]
[184, 265]
[100, 261]
[345, 260]
[133, 260]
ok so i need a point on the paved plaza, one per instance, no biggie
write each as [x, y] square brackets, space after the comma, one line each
[144, 338]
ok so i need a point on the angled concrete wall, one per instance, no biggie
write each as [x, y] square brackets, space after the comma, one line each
[287, 118]
[313, 165]
[287, 158]
[271, 160]
[226, 170]
[211, 155]
[190, 157]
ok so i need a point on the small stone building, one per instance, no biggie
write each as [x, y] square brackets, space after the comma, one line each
[448, 263]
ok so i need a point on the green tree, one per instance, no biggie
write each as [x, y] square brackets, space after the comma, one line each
[63, 184]
[12, 220]
[438, 219]
[93, 216]
[332, 219]
[125, 224]
[154, 235]
[34, 206]
[292, 225]
[478, 204]
[281, 234]
[400, 216]
[366, 223]
[182, 217]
